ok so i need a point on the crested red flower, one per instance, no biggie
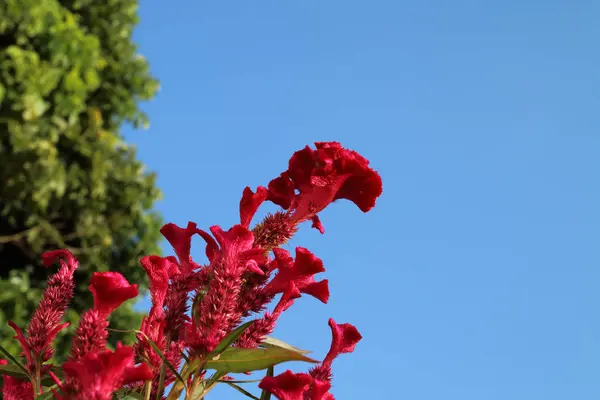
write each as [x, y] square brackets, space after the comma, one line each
[344, 340]
[159, 270]
[181, 241]
[287, 386]
[232, 255]
[176, 300]
[45, 322]
[315, 178]
[14, 388]
[249, 204]
[301, 271]
[110, 290]
[100, 374]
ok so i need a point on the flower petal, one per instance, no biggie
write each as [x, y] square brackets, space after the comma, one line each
[250, 202]
[110, 290]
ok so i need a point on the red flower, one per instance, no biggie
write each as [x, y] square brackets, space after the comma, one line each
[45, 322]
[301, 272]
[322, 176]
[250, 203]
[100, 374]
[159, 271]
[181, 240]
[110, 290]
[287, 386]
[14, 388]
[344, 340]
[231, 255]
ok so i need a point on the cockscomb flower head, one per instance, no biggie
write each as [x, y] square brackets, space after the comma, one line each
[315, 178]
[100, 374]
[110, 290]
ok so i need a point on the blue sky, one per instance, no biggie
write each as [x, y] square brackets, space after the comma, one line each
[475, 277]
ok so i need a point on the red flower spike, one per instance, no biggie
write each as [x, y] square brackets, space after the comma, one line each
[90, 335]
[249, 204]
[344, 340]
[255, 334]
[110, 290]
[100, 374]
[45, 322]
[159, 271]
[301, 272]
[14, 388]
[287, 386]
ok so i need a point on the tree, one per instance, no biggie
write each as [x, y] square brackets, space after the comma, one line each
[69, 78]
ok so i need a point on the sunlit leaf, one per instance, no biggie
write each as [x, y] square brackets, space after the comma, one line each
[238, 360]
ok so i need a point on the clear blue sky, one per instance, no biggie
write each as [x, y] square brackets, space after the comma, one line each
[476, 276]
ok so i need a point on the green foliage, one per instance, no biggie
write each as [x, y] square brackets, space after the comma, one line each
[69, 78]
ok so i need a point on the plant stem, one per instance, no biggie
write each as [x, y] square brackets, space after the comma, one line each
[148, 390]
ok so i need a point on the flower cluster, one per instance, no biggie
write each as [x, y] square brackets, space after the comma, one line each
[207, 316]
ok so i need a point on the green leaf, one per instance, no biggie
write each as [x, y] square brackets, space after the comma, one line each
[234, 381]
[14, 371]
[242, 390]
[269, 341]
[267, 395]
[16, 362]
[239, 360]
[229, 339]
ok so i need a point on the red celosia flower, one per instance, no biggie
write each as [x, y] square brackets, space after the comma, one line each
[287, 386]
[181, 240]
[300, 271]
[110, 290]
[322, 176]
[45, 322]
[159, 270]
[290, 386]
[218, 312]
[14, 388]
[250, 203]
[344, 339]
[176, 301]
[100, 374]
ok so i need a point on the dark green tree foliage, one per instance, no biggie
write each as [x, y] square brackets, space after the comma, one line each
[69, 77]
